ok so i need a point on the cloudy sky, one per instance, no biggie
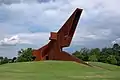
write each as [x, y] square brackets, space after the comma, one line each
[27, 23]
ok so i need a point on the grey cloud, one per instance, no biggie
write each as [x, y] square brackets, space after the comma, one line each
[98, 26]
[8, 2]
[106, 28]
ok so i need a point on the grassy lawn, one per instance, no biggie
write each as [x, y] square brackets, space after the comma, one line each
[58, 70]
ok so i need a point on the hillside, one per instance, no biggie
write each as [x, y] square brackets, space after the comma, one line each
[58, 70]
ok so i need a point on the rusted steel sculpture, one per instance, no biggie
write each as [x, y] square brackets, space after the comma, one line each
[53, 50]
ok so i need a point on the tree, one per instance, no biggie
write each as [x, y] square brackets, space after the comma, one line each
[4, 60]
[78, 55]
[93, 58]
[105, 52]
[109, 55]
[95, 52]
[116, 46]
[1, 57]
[85, 53]
[111, 59]
[118, 60]
[25, 55]
[116, 50]
[13, 60]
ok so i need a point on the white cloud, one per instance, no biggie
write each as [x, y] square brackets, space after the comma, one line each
[26, 38]
[12, 41]
[116, 41]
[39, 38]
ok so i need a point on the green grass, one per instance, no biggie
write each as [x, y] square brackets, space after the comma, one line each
[58, 70]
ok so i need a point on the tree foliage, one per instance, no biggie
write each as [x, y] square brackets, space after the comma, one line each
[106, 55]
[93, 58]
[25, 55]
[4, 60]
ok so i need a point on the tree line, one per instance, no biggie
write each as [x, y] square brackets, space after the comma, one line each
[24, 55]
[109, 55]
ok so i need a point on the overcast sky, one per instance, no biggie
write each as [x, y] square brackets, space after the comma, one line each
[27, 23]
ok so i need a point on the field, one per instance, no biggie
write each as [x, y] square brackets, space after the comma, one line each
[58, 70]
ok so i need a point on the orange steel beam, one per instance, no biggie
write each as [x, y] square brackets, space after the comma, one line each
[53, 50]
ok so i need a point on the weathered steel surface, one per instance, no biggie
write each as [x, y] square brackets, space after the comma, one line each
[53, 50]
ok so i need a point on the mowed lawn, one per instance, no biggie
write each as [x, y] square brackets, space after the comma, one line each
[58, 70]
